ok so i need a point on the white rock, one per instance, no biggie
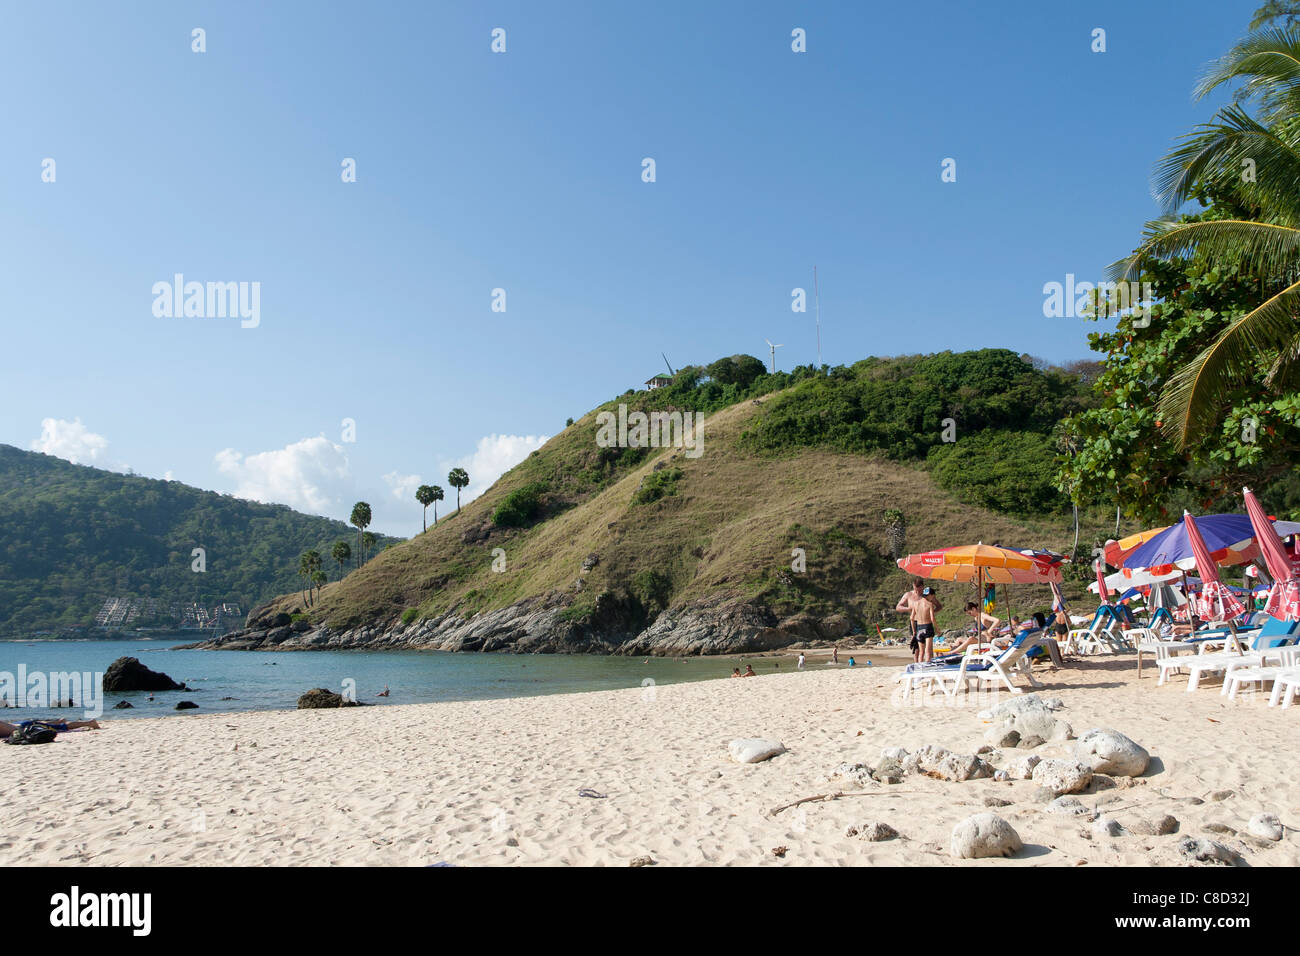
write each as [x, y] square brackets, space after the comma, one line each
[929, 757]
[754, 749]
[1110, 752]
[959, 767]
[894, 753]
[1207, 851]
[1107, 826]
[1070, 807]
[1062, 776]
[853, 774]
[1265, 825]
[1022, 768]
[984, 835]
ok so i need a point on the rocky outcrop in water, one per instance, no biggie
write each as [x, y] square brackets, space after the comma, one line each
[545, 625]
[127, 674]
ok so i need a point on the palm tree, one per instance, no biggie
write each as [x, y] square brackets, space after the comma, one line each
[437, 496]
[458, 479]
[1256, 161]
[368, 540]
[309, 567]
[424, 495]
[342, 554]
[360, 520]
[319, 579]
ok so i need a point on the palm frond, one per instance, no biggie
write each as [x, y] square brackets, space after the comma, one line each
[1259, 163]
[1192, 399]
[1267, 62]
[1266, 248]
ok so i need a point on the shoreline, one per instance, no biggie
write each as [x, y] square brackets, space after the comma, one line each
[497, 781]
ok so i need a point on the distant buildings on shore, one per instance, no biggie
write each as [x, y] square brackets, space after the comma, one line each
[119, 613]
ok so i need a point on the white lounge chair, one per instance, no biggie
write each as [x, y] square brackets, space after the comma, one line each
[1264, 645]
[993, 666]
[1286, 684]
[1236, 675]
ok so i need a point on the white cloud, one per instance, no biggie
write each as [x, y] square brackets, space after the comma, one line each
[403, 486]
[70, 440]
[494, 456]
[308, 475]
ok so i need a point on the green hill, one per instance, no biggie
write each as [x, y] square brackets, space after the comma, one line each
[653, 550]
[74, 536]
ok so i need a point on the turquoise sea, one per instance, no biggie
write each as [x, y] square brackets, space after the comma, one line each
[260, 680]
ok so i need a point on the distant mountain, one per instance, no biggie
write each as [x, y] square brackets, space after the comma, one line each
[72, 537]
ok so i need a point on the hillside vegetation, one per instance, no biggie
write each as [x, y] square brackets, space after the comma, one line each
[822, 462]
[74, 535]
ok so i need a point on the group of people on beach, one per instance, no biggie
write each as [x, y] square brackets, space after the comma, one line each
[920, 604]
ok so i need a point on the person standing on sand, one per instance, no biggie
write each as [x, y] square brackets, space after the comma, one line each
[904, 606]
[801, 660]
[835, 655]
[923, 611]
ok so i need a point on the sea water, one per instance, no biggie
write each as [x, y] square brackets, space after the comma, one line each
[270, 680]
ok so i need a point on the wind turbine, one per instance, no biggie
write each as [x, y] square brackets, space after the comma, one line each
[773, 348]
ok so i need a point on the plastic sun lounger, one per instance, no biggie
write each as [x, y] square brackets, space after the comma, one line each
[1236, 675]
[1285, 686]
[991, 666]
[1264, 643]
[1097, 637]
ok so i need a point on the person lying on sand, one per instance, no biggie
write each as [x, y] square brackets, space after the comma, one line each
[59, 726]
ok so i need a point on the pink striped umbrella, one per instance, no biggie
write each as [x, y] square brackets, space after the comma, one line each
[1218, 603]
[1100, 568]
[1284, 595]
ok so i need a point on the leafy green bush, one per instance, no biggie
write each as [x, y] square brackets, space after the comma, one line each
[521, 507]
[656, 485]
[653, 589]
[410, 614]
[1001, 470]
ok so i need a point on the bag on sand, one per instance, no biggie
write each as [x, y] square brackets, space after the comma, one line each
[32, 734]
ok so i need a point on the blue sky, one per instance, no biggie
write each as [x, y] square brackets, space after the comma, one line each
[522, 171]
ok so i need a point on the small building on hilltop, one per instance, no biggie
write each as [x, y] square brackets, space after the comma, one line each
[658, 381]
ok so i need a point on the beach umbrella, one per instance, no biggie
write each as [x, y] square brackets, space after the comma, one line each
[1218, 603]
[1116, 551]
[1229, 539]
[982, 564]
[1126, 578]
[1284, 596]
[1100, 568]
[1165, 595]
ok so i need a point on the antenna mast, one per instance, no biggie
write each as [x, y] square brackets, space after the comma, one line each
[817, 298]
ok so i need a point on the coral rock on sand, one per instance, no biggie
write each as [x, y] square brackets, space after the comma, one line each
[127, 673]
[875, 832]
[1208, 851]
[984, 835]
[1158, 825]
[1265, 825]
[1062, 776]
[856, 775]
[1107, 826]
[1022, 768]
[754, 749]
[959, 767]
[1031, 718]
[1069, 806]
[1110, 752]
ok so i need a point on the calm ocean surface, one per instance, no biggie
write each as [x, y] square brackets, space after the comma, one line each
[261, 680]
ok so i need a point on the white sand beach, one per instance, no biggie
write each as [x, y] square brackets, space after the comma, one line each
[497, 782]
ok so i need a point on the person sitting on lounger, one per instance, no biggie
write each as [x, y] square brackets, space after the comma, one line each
[987, 628]
[59, 726]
